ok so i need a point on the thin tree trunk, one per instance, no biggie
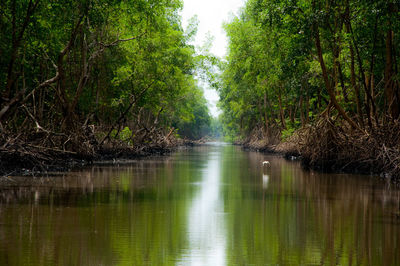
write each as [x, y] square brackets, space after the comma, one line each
[307, 109]
[391, 101]
[371, 87]
[390, 85]
[281, 112]
[302, 118]
[266, 114]
[342, 83]
[327, 82]
[16, 41]
[369, 102]
[260, 112]
[355, 86]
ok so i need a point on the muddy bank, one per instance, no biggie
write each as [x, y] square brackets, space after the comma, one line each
[20, 157]
[329, 147]
[36, 161]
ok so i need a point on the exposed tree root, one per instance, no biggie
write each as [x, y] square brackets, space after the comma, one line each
[45, 151]
[261, 141]
[328, 146]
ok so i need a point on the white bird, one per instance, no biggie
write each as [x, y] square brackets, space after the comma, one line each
[266, 163]
[265, 176]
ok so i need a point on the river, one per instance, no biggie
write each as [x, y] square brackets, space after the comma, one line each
[210, 205]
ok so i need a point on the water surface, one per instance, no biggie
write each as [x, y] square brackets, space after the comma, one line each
[211, 205]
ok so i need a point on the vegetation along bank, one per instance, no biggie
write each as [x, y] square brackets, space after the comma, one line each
[87, 80]
[318, 79]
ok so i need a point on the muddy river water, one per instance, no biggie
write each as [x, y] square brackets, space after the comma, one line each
[210, 205]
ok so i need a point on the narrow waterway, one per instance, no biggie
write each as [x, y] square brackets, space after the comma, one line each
[210, 205]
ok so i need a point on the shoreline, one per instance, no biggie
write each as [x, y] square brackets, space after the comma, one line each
[332, 163]
[14, 162]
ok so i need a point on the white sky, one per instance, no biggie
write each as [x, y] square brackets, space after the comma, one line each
[211, 14]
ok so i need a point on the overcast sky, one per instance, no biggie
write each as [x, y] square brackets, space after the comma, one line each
[211, 14]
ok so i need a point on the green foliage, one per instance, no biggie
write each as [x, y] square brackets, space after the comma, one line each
[273, 77]
[107, 54]
[216, 129]
[124, 135]
[287, 133]
[195, 121]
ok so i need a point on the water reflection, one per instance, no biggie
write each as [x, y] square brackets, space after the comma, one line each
[266, 174]
[212, 205]
[265, 180]
[206, 230]
[309, 218]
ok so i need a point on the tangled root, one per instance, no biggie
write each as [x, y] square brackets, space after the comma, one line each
[329, 146]
[260, 140]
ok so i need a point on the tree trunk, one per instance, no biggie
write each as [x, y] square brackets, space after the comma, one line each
[390, 85]
[7, 101]
[281, 112]
[307, 109]
[266, 114]
[302, 118]
[355, 86]
[327, 82]
[260, 112]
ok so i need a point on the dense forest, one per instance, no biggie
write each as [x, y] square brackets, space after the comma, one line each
[319, 79]
[321, 76]
[78, 75]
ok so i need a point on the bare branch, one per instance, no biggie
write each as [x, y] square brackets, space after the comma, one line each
[114, 43]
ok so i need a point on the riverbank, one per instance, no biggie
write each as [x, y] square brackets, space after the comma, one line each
[328, 147]
[30, 157]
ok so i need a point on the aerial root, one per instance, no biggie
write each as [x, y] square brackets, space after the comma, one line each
[326, 145]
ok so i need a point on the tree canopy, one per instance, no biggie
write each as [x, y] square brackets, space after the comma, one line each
[291, 62]
[112, 63]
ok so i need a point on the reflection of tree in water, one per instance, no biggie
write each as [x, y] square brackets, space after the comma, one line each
[133, 213]
[309, 218]
[356, 216]
[137, 214]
